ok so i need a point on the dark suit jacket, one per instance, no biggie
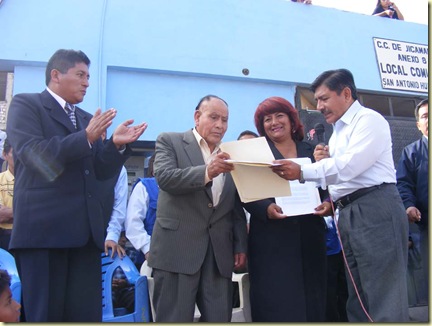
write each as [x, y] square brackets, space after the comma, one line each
[411, 178]
[56, 196]
[186, 218]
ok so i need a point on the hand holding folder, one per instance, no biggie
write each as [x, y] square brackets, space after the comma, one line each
[252, 175]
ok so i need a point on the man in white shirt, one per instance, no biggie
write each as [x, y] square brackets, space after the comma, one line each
[137, 208]
[357, 166]
[118, 216]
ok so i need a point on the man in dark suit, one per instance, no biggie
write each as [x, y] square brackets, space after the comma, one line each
[200, 232]
[59, 226]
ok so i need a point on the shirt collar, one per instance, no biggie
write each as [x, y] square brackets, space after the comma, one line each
[202, 142]
[349, 114]
[61, 101]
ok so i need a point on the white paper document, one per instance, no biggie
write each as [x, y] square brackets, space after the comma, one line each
[252, 174]
[304, 197]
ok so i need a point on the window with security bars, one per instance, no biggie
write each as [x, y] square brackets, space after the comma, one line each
[387, 105]
[6, 85]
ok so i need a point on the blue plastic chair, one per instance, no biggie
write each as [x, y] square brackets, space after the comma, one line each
[7, 262]
[142, 306]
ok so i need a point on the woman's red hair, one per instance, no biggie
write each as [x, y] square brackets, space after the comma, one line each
[278, 104]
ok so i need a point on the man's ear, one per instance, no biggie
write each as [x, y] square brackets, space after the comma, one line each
[197, 115]
[347, 93]
[55, 75]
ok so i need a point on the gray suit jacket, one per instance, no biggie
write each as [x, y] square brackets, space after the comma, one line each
[186, 219]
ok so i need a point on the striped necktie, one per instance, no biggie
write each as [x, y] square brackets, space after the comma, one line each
[70, 109]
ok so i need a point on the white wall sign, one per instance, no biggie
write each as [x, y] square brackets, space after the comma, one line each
[402, 66]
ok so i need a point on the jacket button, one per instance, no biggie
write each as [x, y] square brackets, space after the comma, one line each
[87, 172]
[210, 205]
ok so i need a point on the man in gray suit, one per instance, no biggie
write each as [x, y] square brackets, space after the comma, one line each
[200, 236]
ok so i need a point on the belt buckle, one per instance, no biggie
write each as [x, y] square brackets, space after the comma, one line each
[339, 204]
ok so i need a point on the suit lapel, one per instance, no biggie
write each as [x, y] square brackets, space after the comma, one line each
[192, 149]
[56, 111]
[194, 153]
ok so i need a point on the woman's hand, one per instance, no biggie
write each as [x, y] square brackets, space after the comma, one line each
[325, 209]
[274, 212]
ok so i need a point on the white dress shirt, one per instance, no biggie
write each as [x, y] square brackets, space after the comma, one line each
[118, 215]
[135, 216]
[360, 154]
[60, 100]
[219, 181]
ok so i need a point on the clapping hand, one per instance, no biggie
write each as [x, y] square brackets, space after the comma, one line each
[99, 124]
[126, 134]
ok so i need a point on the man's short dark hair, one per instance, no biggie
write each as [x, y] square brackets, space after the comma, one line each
[63, 60]
[418, 106]
[208, 98]
[247, 132]
[336, 81]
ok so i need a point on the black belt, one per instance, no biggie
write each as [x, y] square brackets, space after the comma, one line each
[348, 199]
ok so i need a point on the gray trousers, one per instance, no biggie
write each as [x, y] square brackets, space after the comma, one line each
[374, 234]
[175, 294]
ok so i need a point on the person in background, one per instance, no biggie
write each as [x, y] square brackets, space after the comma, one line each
[307, 2]
[141, 211]
[10, 310]
[7, 181]
[117, 221]
[287, 255]
[387, 9]
[337, 290]
[358, 169]
[413, 185]
[59, 225]
[114, 195]
[247, 134]
[200, 235]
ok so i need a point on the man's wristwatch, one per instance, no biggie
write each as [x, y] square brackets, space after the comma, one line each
[301, 180]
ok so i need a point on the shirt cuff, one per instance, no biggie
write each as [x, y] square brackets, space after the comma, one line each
[207, 178]
[112, 236]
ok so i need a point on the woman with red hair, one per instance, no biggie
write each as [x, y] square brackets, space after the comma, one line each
[287, 255]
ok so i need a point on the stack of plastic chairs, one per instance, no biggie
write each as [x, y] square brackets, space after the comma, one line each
[142, 307]
[7, 262]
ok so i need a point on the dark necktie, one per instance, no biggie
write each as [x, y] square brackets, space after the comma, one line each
[70, 109]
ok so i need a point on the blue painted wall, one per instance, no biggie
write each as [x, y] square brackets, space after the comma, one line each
[154, 59]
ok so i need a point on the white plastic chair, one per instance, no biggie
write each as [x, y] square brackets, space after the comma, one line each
[242, 314]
